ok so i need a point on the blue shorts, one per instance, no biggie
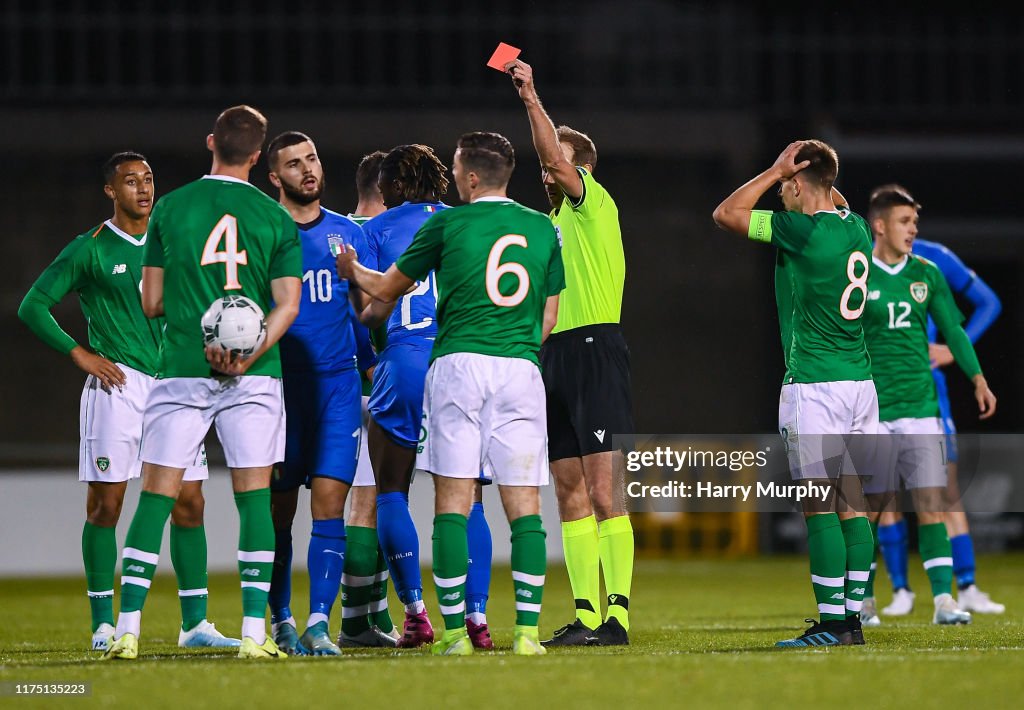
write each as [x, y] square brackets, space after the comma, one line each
[396, 402]
[948, 427]
[323, 428]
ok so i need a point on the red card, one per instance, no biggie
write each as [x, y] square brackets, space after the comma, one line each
[504, 54]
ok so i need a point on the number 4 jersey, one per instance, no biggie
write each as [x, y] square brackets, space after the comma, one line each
[900, 299]
[496, 263]
[821, 285]
[213, 237]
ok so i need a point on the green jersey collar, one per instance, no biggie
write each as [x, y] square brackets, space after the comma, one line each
[124, 235]
[895, 268]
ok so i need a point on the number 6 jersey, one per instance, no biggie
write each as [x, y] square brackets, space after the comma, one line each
[213, 237]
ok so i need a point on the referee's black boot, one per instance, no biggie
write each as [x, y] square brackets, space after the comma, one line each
[574, 634]
[610, 633]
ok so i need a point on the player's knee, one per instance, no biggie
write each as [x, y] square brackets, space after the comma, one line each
[105, 512]
[189, 508]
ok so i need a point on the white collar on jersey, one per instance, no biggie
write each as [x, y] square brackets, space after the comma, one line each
[492, 198]
[895, 268]
[228, 178]
[125, 236]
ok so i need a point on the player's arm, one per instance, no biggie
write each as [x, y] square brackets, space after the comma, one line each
[386, 287]
[947, 318]
[550, 316]
[286, 292]
[735, 212]
[545, 140]
[985, 302]
[153, 291]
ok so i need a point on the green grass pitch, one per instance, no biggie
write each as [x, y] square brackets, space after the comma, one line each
[702, 635]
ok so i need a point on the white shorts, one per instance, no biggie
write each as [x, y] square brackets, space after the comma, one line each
[485, 413]
[110, 430]
[248, 412]
[816, 421]
[911, 450]
[364, 472]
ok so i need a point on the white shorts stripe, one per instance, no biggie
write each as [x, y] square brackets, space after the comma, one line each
[137, 581]
[527, 606]
[97, 595]
[938, 562]
[854, 605]
[832, 609]
[828, 581]
[449, 582]
[193, 592]
[255, 556]
[857, 576]
[130, 553]
[262, 586]
[536, 580]
[352, 580]
[459, 608]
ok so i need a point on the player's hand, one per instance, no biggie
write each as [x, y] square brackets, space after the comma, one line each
[108, 374]
[522, 78]
[346, 261]
[940, 355]
[226, 362]
[986, 400]
[786, 163]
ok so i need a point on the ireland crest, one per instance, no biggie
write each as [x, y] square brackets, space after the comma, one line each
[335, 242]
[919, 290]
[102, 463]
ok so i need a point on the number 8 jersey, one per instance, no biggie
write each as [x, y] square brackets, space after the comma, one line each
[213, 237]
[821, 289]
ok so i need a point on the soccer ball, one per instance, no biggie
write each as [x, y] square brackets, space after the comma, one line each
[234, 323]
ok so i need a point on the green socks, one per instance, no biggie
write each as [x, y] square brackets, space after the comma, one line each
[826, 549]
[358, 579]
[451, 563]
[615, 549]
[860, 548]
[529, 559]
[379, 613]
[874, 562]
[188, 555]
[937, 556]
[142, 549]
[255, 555]
[99, 553]
[582, 562]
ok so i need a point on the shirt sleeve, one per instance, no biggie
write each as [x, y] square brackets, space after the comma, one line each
[594, 196]
[943, 309]
[35, 313]
[68, 272]
[789, 231]
[287, 260]
[424, 254]
[556, 270]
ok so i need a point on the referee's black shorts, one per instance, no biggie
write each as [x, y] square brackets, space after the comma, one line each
[586, 376]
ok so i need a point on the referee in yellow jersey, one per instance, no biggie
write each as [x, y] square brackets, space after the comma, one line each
[586, 374]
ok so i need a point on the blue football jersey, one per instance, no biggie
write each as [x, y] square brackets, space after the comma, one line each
[962, 281]
[384, 239]
[321, 339]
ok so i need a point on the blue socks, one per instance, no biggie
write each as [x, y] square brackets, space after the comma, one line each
[893, 541]
[401, 545]
[963, 560]
[280, 598]
[325, 559]
[478, 579]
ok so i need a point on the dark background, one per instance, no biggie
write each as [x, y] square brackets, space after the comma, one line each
[685, 101]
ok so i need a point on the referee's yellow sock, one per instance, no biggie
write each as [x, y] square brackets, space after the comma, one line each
[582, 562]
[615, 546]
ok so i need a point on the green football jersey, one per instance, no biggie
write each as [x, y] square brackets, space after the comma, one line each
[495, 263]
[104, 266]
[214, 237]
[595, 266]
[900, 299]
[826, 256]
[358, 218]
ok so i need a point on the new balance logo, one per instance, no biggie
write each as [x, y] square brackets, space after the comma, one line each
[120, 269]
[451, 597]
[250, 572]
[600, 435]
[525, 593]
[837, 595]
[858, 590]
[136, 568]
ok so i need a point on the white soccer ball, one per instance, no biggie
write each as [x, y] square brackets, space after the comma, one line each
[236, 324]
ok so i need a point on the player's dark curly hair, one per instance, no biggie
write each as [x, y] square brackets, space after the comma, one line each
[418, 173]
